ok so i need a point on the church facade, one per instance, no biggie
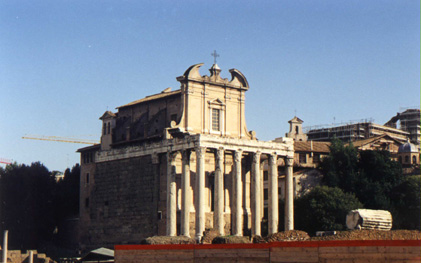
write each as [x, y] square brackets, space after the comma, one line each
[179, 162]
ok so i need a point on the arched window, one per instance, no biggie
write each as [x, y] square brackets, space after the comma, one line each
[296, 129]
[414, 159]
[407, 159]
[104, 128]
[109, 128]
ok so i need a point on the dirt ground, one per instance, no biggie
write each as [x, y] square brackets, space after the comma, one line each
[373, 235]
[296, 235]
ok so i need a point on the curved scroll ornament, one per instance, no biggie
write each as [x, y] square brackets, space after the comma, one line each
[193, 71]
[238, 78]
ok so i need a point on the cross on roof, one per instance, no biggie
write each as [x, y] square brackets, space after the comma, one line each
[214, 55]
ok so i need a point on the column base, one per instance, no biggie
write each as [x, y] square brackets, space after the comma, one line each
[198, 239]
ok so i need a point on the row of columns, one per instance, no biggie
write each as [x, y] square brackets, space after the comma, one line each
[237, 215]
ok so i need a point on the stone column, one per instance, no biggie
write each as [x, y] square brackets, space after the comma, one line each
[5, 245]
[256, 202]
[171, 196]
[289, 195]
[219, 192]
[238, 215]
[185, 193]
[262, 189]
[273, 194]
[200, 192]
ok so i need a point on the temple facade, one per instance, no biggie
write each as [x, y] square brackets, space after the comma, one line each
[179, 162]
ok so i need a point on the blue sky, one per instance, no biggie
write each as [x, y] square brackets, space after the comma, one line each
[64, 63]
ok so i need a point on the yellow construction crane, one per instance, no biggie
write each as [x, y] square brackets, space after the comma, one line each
[5, 161]
[60, 139]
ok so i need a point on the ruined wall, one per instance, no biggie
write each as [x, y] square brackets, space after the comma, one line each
[16, 256]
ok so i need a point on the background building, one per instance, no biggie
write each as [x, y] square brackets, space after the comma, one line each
[355, 131]
[409, 121]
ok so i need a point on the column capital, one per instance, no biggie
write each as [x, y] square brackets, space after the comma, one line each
[220, 152]
[185, 154]
[200, 151]
[171, 156]
[272, 157]
[237, 155]
[289, 161]
[256, 156]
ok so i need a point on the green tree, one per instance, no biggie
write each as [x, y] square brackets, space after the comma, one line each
[324, 208]
[340, 167]
[27, 204]
[378, 175]
[67, 195]
[406, 204]
[370, 175]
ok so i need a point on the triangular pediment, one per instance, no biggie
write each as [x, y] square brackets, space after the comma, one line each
[375, 140]
[107, 115]
[296, 120]
[216, 102]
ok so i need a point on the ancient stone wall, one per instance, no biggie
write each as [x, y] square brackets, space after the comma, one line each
[123, 204]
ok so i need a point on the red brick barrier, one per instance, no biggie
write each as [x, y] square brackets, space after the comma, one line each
[364, 251]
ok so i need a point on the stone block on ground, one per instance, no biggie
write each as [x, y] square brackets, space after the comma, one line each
[168, 240]
[230, 240]
[209, 235]
[258, 239]
[291, 235]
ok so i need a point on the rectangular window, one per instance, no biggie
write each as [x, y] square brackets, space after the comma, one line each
[316, 158]
[303, 158]
[216, 120]
[265, 194]
[87, 178]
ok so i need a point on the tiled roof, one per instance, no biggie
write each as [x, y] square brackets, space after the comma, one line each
[92, 147]
[360, 143]
[107, 114]
[296, 119]
[311, 146]
[152, 97]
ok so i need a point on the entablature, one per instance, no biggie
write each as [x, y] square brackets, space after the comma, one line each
[282, 149]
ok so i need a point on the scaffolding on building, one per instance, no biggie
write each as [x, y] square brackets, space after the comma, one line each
[346, 131]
